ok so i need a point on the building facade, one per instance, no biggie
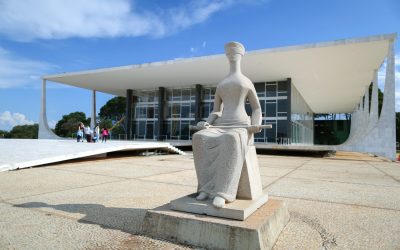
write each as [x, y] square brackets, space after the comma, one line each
[293, 83]
[167, 113]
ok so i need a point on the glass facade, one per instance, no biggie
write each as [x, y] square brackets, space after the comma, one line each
[207, 101]
[274, 103]
[302, 119]
[282, 106]
[180, 113]
[145, 115]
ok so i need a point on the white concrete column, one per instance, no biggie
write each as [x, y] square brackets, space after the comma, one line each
[373, 115]
[366, 101]
[365, 112]
[379, 139]
[387, 120]
[44, 130]
[93, 117]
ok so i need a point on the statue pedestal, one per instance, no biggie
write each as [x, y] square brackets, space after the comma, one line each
[259, 231]
[238, 210]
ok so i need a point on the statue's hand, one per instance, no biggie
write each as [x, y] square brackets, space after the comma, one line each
[202, 125]
[254, 129]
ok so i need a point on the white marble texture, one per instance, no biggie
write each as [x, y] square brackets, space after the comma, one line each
[369, 133]
[23, 153]
[220, 153]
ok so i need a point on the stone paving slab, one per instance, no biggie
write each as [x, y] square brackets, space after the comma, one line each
[185, 177]
[321, 225]
[349, 177]
[338, 192]
[120, 169]
[121, 205]
[28, 228]
[342, 168]
[268, 171]
[37, 181]
[389, 170]
[55, 206]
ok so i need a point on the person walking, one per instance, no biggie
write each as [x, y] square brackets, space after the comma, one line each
[88, 133]
[95, 137]
[79, 134]
[97, 130]
[104, 135]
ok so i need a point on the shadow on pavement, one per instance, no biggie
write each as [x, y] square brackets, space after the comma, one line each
[128, 220]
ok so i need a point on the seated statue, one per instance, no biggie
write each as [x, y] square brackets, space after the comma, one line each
[219, 152]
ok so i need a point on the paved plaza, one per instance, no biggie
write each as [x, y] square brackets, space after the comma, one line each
[348, 201]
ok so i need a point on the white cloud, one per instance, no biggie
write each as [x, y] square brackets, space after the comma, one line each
[17, 71]
[204, 44]
[9, 120]
[26, 20]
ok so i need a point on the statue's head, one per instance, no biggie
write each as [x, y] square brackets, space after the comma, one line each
[234, 50]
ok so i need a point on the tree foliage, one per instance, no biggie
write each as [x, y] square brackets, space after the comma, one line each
[23, 132]
[114, 109]
[3, 133]
[68, 125]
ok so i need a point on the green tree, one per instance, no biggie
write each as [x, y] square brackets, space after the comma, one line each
[114, 109]
[112, 112]
[24, 132]
[68, 125]
[3, 134]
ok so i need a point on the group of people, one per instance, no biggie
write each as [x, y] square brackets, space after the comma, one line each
[85, 132]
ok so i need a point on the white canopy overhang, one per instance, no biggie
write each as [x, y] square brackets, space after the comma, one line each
[331, 76]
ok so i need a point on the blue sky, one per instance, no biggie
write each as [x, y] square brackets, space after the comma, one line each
[40, 37]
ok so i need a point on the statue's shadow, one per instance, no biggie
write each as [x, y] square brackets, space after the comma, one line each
[128, 220]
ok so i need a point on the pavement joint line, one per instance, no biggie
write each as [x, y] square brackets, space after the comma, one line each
[334, 202]
[283, 176]
[161, 182]
[344, 159]
[380, 170]
[344, 182]
[172, 172]
[270, 175]
[125, 178]
[52, 192]
[84, 172]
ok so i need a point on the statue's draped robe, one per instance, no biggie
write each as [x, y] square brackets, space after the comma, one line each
[219, 154]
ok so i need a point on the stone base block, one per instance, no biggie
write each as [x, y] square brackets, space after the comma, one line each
[259, 231]
[238, 210]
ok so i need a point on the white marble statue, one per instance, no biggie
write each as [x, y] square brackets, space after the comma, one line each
[219, 152]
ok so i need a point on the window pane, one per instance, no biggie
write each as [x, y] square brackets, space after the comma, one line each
[270, 110]
[150, 112]
[184, 130]
[282, 86]
[186, 94]
[260, 89]
[185, 111]
[282, 129]
[282, 105]
[176, 110]
[271, 133]
[177, 94]
[270, 90]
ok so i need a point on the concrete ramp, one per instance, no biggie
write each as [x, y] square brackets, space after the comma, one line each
[24, 153]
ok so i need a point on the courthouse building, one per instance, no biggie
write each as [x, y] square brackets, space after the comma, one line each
[293, 84]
